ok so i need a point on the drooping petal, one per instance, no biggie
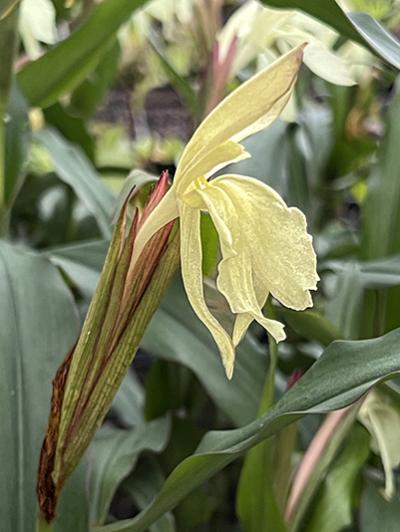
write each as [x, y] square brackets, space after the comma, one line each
[37, 23]
[243, 321]
[328, 65]
[235, 279]
[248, 109]
[191, 261]
[279, 247]
[165, 212]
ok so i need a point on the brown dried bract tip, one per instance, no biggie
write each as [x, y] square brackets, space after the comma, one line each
[47, 491]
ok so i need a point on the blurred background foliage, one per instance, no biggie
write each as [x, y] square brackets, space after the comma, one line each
[91, 90]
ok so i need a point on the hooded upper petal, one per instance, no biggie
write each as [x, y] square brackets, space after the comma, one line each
[251, 107]
[248, 109]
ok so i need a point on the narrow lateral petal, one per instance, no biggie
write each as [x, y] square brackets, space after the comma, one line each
[279, 247]
[248, 109]
[191, 261]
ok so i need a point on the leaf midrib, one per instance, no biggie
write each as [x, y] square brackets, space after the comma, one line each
[20, 473]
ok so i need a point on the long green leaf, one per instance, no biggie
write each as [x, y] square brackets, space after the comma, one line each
[73, 511]
[73, 167]
[344, 309]
[343, 373]
[381, 214]
[359, 27]
[327, 11]
[377, 513]
[144, 485]
[39, 324]
[66, 65]
[333, 509]
[17, 139]
[115, 453]
[261, 513]
[8, 47]
[379, 39]
[182, 86]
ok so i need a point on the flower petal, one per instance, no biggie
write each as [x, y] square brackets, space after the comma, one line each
[191, 260]
[235, 280]
[242, 322]
[328, 65]
[248, 109]
[165, 212]
[222, 155]
[280, 249]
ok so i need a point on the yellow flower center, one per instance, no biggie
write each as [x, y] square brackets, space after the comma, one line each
[191, 197]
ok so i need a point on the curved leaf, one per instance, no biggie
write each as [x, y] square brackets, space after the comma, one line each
[327, 12]
[114, 455]
[379, 39]
[73, 167]
[66, 65]
[344, 372]
[17, 139]
[359, 27]
[332, 512]
[144, 485]
[39, 324]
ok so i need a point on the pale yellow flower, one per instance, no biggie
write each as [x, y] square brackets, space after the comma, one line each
[264, 244]
[263, 33]
[37, 23]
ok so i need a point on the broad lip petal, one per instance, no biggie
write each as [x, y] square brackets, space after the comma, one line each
[236, 279]
[279, 247]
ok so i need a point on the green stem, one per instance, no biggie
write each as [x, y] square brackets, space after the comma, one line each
[268, 393]
[43, 526]
[3, 210]
[8, 46]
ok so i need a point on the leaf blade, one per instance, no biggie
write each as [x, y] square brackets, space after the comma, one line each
[358, 27]
[40, 323]
[62, 68]
[356, 367]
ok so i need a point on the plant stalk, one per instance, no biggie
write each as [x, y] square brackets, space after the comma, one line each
[8, 47]
[43, 526]
[268, 394]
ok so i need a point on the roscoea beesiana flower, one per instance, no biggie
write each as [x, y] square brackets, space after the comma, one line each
[264, 244]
